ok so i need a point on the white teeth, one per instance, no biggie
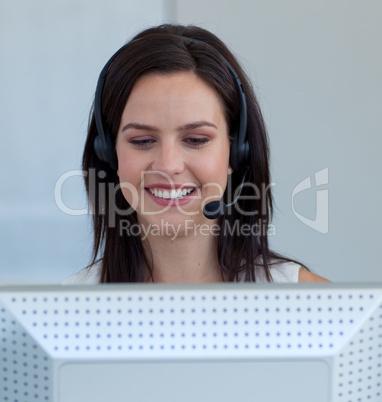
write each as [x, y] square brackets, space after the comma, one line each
[173, 194]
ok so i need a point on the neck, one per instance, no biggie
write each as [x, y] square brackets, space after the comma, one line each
[185, 259]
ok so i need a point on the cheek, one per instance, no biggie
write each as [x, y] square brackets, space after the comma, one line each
[216, 165]
[129, 170]
[129, 179]
[213, 174]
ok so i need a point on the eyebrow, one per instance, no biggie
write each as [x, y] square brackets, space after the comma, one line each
[138, 126]
[196, 124]
[189, 126]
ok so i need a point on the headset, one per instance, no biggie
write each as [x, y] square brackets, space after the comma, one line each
[104, 145]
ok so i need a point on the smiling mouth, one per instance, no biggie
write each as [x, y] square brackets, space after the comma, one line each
[172, 194]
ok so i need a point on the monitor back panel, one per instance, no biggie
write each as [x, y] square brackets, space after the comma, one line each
[221, 342]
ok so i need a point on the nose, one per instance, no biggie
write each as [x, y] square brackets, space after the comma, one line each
[169, 159]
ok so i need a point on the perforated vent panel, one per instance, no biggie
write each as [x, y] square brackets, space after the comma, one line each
[25, 373]
[358, 375]
[341, 326]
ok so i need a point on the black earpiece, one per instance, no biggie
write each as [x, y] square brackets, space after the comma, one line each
[104, 146]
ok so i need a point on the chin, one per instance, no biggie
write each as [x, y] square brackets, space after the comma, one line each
[175, 225]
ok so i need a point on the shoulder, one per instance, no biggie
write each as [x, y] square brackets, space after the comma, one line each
[281, 271]
[284, 271]
[88, 276]
[306, 276]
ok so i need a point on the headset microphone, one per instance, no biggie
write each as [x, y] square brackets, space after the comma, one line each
[216, 209]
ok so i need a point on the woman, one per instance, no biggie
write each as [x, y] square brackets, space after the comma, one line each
[177, 167]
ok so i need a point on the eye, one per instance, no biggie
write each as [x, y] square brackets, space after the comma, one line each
[142, 143]
[196, 141]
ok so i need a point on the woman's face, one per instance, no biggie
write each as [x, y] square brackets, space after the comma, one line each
[173, 150]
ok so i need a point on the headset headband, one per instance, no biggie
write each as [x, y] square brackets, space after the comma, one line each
[104, 146]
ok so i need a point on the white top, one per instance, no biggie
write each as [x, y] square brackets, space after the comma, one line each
[284, 272]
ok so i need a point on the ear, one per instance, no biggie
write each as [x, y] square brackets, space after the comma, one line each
[230, 170]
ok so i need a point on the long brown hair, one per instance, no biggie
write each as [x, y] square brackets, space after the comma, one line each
[163, 49]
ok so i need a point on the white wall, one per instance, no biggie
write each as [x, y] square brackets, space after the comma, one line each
[51, 55]
[316, 67]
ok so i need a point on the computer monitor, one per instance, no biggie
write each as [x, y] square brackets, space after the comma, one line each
[220, 342]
